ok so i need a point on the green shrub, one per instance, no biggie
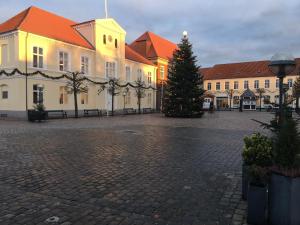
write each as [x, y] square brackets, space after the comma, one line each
[257, 150]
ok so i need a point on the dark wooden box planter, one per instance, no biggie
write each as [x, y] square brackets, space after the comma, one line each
[34, 115]
[284, 200]
[257, 204]
[245, 181]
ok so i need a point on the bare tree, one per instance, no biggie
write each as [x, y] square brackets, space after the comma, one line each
[76, 84]
[230, 96]
[140, 90]
[114, 90]
[260, 92]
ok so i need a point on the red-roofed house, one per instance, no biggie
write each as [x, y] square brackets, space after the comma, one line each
[39, 40]
[242, 79]
[160, 52]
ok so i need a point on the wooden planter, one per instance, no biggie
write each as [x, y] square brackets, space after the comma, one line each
[245, 182]
[284, 200]
[34, 115]
[257, 204]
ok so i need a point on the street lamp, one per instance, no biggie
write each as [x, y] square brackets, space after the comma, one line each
[282, 65]
[124, 96]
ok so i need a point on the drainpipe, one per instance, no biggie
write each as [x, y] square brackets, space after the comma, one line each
[26, 72]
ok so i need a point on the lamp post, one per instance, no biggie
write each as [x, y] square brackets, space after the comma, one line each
[124, 96]
[282, 65]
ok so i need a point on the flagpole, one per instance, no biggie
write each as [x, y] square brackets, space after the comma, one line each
[106, 10]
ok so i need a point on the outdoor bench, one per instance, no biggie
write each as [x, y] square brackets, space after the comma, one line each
[57, 114]
[92, 112]
[129, 111]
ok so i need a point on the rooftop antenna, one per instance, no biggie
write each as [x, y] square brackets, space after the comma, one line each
[106, 10]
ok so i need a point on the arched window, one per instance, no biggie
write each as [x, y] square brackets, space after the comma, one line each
[104, 39]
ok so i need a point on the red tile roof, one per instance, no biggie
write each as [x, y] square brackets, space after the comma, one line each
[153, 46]
[43, 23]
[134, 56]
[241, 70]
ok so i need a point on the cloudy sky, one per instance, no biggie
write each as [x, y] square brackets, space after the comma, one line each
[222, 31]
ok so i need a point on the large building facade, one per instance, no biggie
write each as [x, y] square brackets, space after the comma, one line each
[238, 84]
[39, 40]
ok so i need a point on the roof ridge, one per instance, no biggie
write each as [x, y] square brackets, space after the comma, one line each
[24, 17]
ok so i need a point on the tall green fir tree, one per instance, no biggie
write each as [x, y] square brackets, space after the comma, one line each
[184, 87]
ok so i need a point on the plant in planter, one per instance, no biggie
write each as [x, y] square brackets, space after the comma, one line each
[38, 113]
[284, 193]
[257, 151]
[257, 195]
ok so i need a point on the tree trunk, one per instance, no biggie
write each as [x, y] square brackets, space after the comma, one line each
[260, 103]
[297, 104]
[75, 103]
[139, 103]
[112, 104]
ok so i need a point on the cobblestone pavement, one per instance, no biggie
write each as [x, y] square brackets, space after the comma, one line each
[134, 170]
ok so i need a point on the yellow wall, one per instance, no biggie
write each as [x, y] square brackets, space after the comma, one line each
[94, 32]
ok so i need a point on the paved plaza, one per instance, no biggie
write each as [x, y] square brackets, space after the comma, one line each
[133, 170]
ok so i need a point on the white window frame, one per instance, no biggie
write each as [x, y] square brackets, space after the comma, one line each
[149, 78]
[218, 86]
[39, 56]
[162, 72]
[128, 73]
[236, 85]
[111, 69]
[256, 84]
[246, 84]
[267, 83]
[227, 85]
[39, 93]
[209, 86]
[67, 66]
[149, 98]
[140, 74]
[85, 64]
[4, 60]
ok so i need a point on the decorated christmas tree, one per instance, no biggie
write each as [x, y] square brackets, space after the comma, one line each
[184, 88]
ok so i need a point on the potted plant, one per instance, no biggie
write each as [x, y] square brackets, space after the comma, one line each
[257, 151]
[38, 113]
[284, 192]
[257, 195]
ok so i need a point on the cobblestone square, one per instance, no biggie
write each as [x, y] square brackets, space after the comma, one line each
[134, 170]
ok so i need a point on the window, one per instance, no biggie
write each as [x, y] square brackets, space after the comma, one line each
[4, 94]
[140, 74]
[236, 85]
[226, 85]
[110, 69]
[267, 99]
[128, 74]
[290, 83]
[218, 86]
[209, 86]
[63, 61]
[104, 39]
[256, 84]
[128, 98]
[4, 55]
[149, 98]
[84, 98]
[267, 83]
[116, 43]
[84, 65]
[162, 72]
[63, 96]
[277, 83]
[38, 57]
[149, 78]
[246, 84]
[38, 94]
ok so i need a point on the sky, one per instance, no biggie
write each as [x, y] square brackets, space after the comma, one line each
[221, 31]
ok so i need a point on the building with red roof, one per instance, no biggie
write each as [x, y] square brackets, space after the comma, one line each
[228, 84]
[36, 39]
[160, 51]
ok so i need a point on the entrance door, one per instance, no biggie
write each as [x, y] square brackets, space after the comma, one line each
[222, 103]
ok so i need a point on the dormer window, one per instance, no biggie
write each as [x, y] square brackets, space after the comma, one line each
[116, 43]
[104, 39]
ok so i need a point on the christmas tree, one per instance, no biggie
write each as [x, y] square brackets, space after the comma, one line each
[184, 88]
